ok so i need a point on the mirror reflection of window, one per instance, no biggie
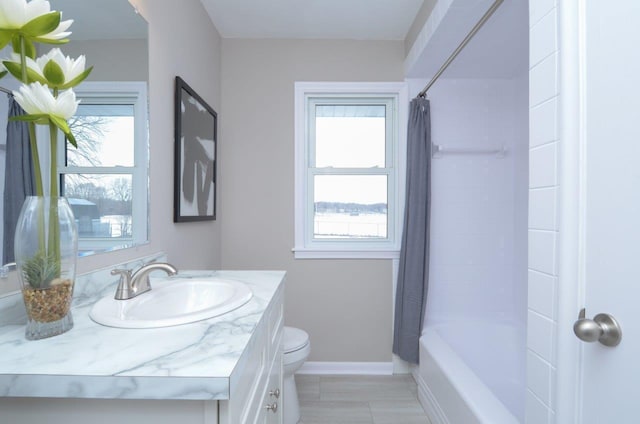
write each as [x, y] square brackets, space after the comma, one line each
[105, 178]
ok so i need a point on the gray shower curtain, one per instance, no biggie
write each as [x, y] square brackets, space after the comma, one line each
[18, 177]
[413, 272]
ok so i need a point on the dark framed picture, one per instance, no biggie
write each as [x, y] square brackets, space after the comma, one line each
[196, 129]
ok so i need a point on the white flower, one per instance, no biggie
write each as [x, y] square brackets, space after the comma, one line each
[58, 33]
[31, 64]
[53, 69]
[36, 99]
[71, 68]
[15, 14]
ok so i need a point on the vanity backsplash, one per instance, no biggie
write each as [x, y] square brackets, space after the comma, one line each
[88, 286]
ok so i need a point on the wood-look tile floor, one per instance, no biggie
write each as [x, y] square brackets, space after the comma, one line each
[359, 400]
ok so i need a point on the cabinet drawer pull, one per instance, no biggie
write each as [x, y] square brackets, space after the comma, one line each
[273, 407]
[274, 393]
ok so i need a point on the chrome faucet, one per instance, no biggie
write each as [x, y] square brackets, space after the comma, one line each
[4, 270]
[131, 286]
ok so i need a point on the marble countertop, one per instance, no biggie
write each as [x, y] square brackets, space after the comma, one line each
[196, 361]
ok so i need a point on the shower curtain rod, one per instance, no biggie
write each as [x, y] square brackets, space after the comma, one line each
[462, 45]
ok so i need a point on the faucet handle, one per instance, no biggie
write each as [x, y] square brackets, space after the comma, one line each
[124, 273]
[124, 285]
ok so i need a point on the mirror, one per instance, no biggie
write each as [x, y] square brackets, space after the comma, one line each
[110, 208]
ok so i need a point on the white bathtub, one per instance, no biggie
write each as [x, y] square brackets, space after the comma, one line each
[451, 392]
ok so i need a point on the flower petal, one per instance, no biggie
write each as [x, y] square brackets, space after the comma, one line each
[36, 99]
[66, 105]
[59, 33]
[12, 14]
[72, 69]
[36, 8]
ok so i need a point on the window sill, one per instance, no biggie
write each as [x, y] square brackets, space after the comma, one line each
[307, 253]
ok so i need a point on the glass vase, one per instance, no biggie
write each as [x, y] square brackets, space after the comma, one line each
[46, 248]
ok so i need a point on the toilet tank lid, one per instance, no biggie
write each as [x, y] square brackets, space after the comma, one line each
[294, 339]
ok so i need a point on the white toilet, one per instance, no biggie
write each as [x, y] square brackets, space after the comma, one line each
[296, 351]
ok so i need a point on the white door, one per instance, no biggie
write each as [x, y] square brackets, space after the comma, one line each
[611, 95]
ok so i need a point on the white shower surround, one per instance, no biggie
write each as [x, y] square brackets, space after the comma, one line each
[477, 284]
[477, 302]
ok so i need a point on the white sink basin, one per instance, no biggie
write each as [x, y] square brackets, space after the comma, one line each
[171, 302]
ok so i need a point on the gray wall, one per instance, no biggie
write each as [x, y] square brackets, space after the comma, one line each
[112, 60]
[345, 305]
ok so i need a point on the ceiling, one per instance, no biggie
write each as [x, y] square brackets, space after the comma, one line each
[499, 50]
[317, 19]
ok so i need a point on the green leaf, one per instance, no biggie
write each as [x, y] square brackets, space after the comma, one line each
[5, 38]
[60, 123]
[42, 25]
[77, 80]
[71, 139]
[50, 41]
[40, 269]
[30, 48]
[16, 70]
[40, 118]
[64, 127]
[53, 73]
[15, 43]
[33, 76]
[3, 73]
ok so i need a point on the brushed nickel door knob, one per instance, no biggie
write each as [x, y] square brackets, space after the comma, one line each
[602, 328]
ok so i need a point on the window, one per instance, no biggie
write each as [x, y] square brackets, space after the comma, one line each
[105, 177]
[350, 151]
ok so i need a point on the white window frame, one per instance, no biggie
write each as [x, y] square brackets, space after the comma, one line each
[305, 246]
[115, 92]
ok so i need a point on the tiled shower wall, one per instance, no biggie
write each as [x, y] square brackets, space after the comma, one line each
[544, 146]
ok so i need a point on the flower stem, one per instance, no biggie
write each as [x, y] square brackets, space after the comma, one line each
[23, 60]
[54, 222]
[37, 171]
[32, 126]
[36, 160]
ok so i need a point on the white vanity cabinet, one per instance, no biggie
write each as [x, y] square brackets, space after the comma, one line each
[257, 398]
[227, 370]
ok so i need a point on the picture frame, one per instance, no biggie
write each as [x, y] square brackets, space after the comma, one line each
[196, 129]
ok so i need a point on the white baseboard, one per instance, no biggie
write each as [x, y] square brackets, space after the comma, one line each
[347, 368]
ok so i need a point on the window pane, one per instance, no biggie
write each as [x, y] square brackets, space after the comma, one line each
[101, 204]
[350, 136]
[350, 206]
[105, 136]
